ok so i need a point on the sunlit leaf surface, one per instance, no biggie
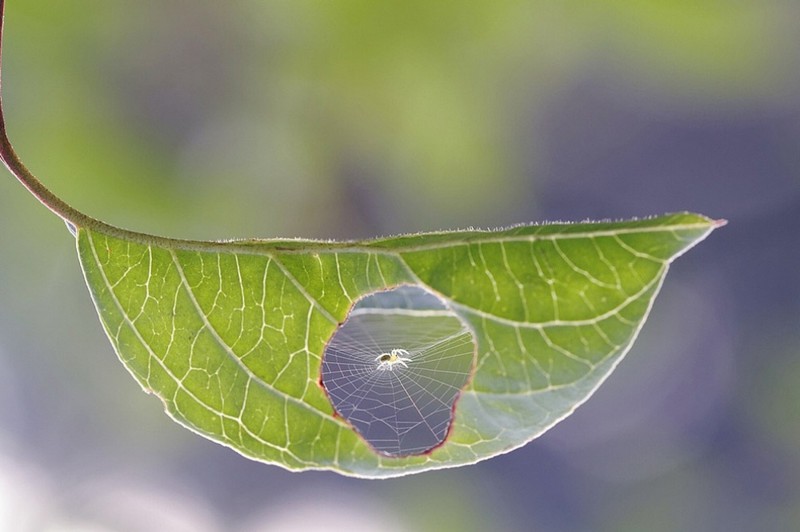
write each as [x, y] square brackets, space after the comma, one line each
[231, 336]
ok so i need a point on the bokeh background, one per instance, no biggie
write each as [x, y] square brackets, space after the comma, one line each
[359, 118]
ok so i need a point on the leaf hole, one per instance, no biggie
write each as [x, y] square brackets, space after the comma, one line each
[395, 368]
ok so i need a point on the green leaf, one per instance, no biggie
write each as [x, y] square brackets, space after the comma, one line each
[231, 336]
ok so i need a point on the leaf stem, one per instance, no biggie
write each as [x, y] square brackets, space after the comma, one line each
[75, 219]
[72, 216]
[28, 180]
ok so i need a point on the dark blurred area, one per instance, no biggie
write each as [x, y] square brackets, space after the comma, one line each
[351, 119]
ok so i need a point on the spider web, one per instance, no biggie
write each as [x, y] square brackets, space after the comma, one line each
[399, 410]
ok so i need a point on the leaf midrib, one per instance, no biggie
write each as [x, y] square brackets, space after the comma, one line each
[312, 246]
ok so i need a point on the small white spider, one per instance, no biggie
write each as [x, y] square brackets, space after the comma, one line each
[388, 360]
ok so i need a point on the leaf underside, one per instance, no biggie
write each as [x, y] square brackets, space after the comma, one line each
[230, 336]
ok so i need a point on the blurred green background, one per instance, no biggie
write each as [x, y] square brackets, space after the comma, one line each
[354, 118]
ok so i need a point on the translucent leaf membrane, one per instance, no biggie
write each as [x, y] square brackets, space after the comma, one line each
[232, 337]
[395, 368]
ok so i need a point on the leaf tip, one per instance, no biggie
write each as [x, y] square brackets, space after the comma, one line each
[719, 223]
